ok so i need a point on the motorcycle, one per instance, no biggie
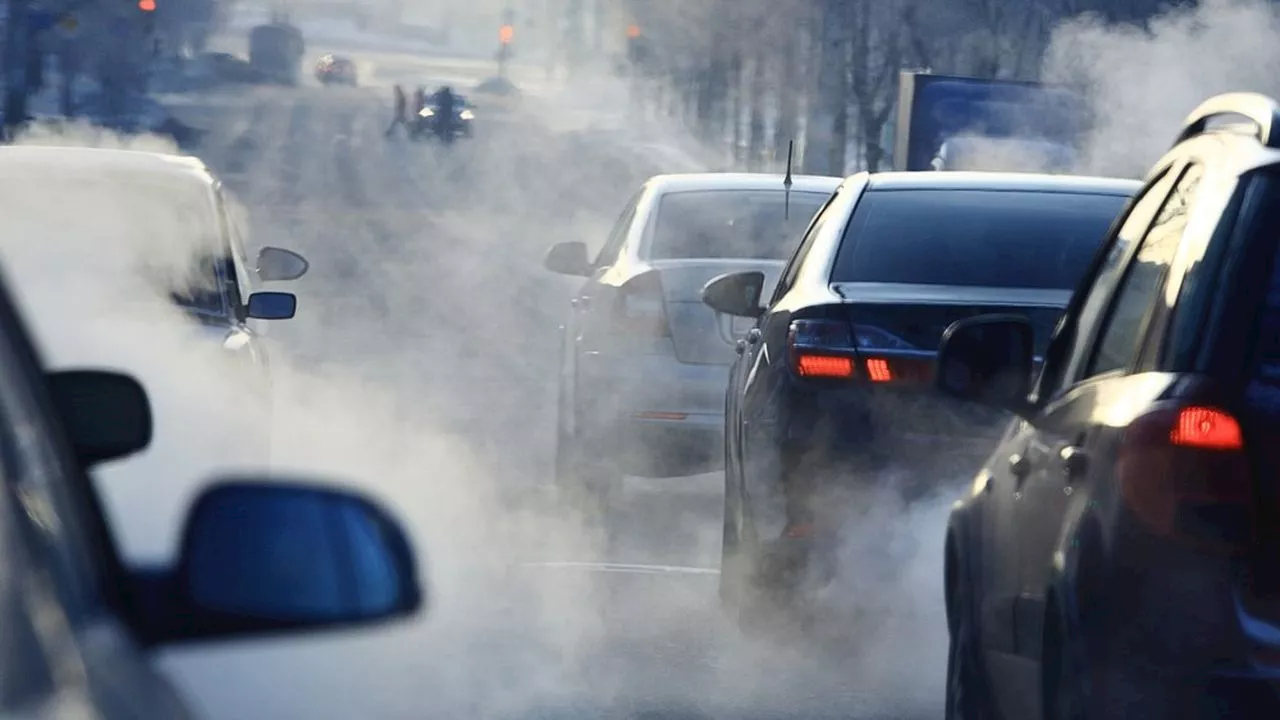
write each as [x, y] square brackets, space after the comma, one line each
[429, 123]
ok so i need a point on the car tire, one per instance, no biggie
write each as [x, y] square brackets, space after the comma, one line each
[968, 694]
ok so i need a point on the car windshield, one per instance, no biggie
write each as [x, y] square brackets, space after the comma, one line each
[731, 223]
[981, 238]
[147, 233]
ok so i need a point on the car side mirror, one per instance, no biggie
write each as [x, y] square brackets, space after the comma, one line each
[736, 294]
[107, 415]
[263, 557]
[277, 264]
[272, 305]
[568, 258]
[989, 360]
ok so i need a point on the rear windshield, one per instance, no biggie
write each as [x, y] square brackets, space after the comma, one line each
[752, 224]
[982, 238]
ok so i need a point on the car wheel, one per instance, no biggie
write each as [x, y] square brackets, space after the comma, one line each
[968, 696]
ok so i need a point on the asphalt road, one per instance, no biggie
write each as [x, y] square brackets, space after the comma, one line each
[421, 367]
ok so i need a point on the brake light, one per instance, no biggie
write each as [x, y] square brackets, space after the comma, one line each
[821, 349]
[640, 307]
[1183, 474]
[878, 370]
[829, 366]
[1206, 428]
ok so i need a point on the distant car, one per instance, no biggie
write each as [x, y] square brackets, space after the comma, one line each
[133, 195]
[425, 124]
[832, 383]
[644, 361]
[1118, 554]
[258, 558]
[336, 69]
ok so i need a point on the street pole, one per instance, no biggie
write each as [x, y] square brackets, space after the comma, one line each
[15, 66]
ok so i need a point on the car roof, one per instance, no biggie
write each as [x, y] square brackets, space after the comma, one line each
[683, 182]
[34, 161]
[974, 180]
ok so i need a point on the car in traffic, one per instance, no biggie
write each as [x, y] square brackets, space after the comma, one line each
[337, 70]
[258, 557]
[643, 361]
[1117, 554]
[167, 207]
[831, 387]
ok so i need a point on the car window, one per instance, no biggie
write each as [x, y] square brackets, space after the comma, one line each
[984, 238]
[753, 224]
[1076, 328]
[816, 224]
[608, 254]
[202, 290]
[1123, 333]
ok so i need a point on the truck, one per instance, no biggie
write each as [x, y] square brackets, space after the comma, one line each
[951, 122]
[275, 51]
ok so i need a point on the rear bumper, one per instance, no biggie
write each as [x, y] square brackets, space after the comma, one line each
[652, 415]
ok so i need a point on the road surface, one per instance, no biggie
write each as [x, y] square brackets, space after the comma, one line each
[421, 364]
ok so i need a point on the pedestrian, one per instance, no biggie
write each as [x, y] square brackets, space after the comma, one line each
[400, 110]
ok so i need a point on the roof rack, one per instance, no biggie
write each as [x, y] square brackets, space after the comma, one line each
[1258, 109]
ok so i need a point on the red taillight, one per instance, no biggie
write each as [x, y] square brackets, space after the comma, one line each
[878, 370]
[640, 307]
[821, 349]
[1207, 429]
[824, 366]
[1183, 475]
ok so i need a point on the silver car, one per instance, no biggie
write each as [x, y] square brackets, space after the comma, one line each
[644, 362]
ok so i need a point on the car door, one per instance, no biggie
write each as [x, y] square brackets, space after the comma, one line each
[67, 564]
[572, 331]
[1107, 380]
[761, 366]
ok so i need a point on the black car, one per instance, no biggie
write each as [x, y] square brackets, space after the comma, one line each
[834, 382]
[1119, 554]
[79, 627]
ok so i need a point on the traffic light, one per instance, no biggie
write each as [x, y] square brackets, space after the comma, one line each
[633, 31]
[505, 34]
[147, 6]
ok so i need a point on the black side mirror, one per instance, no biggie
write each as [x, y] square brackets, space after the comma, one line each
[568, 258]
[263, 557]
[272, 305]
[736, 294]
[277, 264]
[107, 415]
[988, 359]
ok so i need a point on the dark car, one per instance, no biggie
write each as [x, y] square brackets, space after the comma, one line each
[832, 385]
[1119, 553]
[335, 69]
[79, 627]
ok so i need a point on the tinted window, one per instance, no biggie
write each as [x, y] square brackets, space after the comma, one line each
[731, 223]
[1122, 336]
[1005, 238]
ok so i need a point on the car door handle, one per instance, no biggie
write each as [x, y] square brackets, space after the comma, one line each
[582, 303]
[1075, 462]
[753, 336]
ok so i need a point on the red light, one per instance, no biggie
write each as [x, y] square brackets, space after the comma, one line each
[506, 34]
[1207, 429]
[825, 366]
[878, 370]
[147, 5]
[633, 31]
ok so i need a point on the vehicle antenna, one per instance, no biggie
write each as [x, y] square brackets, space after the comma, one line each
[787, 182]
